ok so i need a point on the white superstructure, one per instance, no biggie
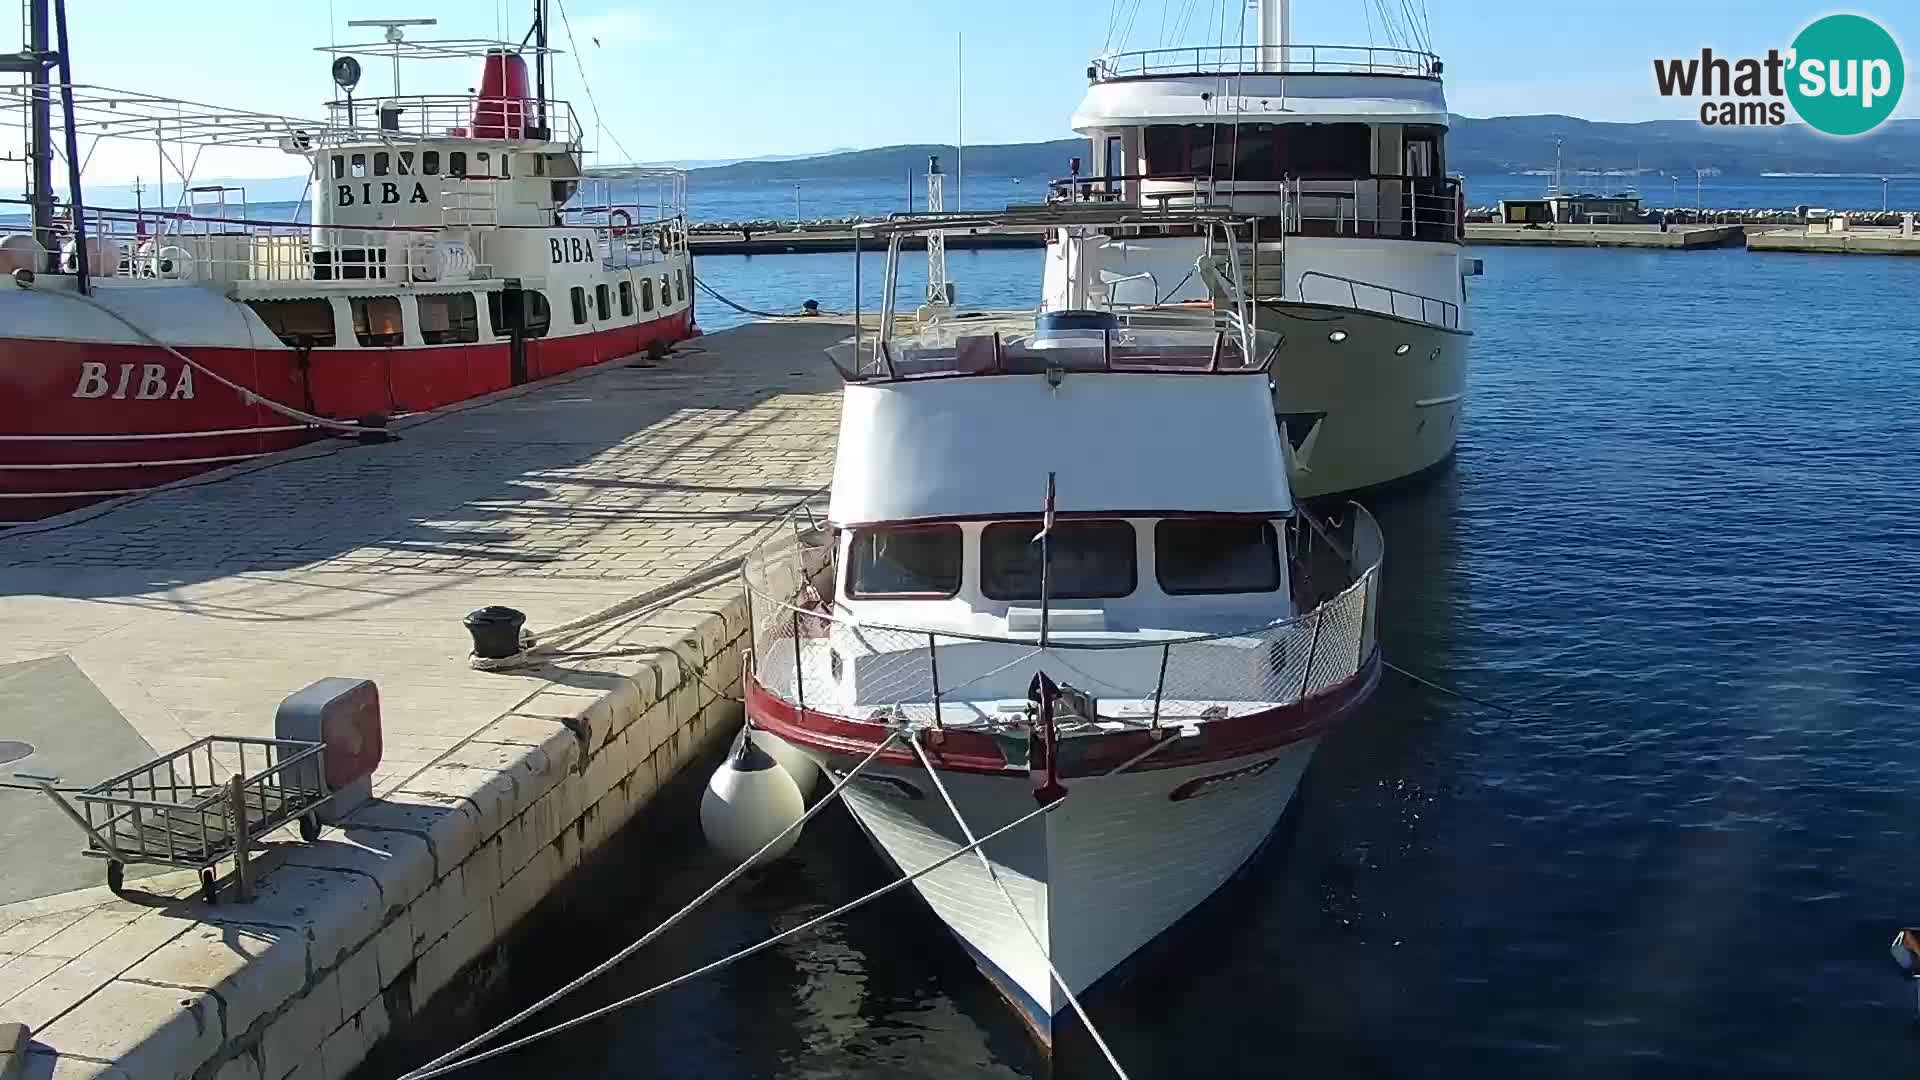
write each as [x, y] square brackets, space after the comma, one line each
[1339, 153]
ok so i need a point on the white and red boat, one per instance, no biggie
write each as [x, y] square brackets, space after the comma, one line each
[1154, 654]
[449, 246]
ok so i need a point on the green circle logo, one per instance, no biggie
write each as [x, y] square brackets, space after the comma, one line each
[1847, 74]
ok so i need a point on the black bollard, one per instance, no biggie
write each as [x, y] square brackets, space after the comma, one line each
[495, 630]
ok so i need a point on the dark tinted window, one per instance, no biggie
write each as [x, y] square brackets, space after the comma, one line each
[339, 166]
[430, 162]
[579, 297]
[915, 560]
[539, 314]
[406, 162]
[448, 319]
[1091, 559]
[299, 323]
[680, 286]
[380, 161]
[376, 320]
[626, 298]
[602, 300]
[1216, 556]
[646, 295]
[457, 163]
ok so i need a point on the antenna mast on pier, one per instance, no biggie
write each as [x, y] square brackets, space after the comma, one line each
[939, 291]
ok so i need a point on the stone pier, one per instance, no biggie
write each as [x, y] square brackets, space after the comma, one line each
[135, 628]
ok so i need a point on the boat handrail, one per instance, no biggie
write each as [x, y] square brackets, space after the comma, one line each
[125, 243]
[450, 116]
[1447, 311]
[1285, 660]
[1265, 60]
[1374, 205]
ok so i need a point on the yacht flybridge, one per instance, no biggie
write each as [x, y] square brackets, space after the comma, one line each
[448, 246]
[1061, 570]
[1339, 153]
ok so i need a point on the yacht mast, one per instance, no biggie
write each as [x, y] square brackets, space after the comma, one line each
[1273, 34]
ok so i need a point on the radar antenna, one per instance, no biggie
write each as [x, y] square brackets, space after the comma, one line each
[395, 37]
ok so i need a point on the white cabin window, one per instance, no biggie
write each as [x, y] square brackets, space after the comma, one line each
[1216, 556]
[430, 162]
[448, 319]
[381, 161]
[666, 291]
[359, 165]
[483, 162]
[901, 561]
[376, 320]
[457, 163]
[1091, 560]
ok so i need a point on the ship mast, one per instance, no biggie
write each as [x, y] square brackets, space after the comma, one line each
[34, 61]
[1274, 33]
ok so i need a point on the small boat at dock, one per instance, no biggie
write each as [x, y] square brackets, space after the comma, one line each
[1061, 569]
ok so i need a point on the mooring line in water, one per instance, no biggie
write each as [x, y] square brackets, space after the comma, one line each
[1461, 694]
[430, 1071]
[744, 310]
[1046, 956]
[447, 1062]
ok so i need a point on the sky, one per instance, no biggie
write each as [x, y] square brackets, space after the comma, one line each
[740, 78]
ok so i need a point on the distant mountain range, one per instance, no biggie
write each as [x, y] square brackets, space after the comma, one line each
[1499, 144]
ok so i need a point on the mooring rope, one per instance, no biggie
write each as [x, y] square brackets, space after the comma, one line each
[744, 310]
[447, 1062]
[444, 1065]
[248, 396]
[537, 647]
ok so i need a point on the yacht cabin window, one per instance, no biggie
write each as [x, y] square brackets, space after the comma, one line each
[405, 160]
[626, 299]
[430, 162]
[359, 165]
[376, 320]
[579, 297]
[666, 291]
[680, 286]
[646, 295]
[1091, 560]
[602, 302]
[905, 561]
[339, 166]
[381, 160]
[539, 314]
[457, 163]
[1215, 556]
[1254, 151]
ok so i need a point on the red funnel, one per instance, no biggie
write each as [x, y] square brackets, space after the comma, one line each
[501, 109]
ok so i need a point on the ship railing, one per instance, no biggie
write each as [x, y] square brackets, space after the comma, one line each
[813, 654]
[1319, 287]
[455, 116]
[1151, 343]
[163, 245]
[1265, 60]
[1374, 206]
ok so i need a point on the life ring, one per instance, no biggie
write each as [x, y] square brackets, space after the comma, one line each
[618, 222]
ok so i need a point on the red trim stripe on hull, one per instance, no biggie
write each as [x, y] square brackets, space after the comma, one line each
[977, 752]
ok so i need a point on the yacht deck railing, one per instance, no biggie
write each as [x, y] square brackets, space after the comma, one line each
[1265, 60]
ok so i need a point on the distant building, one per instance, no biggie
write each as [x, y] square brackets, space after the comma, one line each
[1570, 209]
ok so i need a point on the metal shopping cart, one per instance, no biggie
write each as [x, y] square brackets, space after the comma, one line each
[205, 802]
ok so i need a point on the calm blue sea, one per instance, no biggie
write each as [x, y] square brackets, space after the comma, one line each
[1681, 539]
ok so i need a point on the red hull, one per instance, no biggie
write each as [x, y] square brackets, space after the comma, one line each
[83, 421]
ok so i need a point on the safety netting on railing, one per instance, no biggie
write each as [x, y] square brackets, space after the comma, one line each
[817, 657]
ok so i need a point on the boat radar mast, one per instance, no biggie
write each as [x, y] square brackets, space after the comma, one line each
[395, 37]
